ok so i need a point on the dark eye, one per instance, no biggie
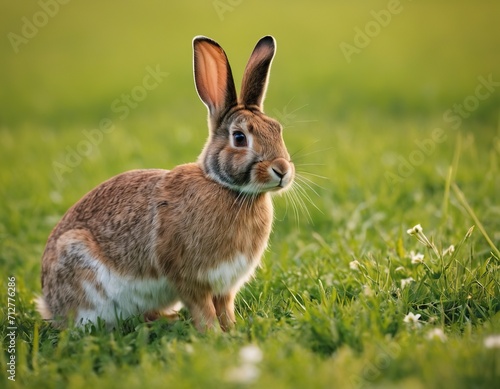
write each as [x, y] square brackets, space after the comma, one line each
[240, 140]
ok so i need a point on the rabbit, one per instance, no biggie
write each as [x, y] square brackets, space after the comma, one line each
[146, 241]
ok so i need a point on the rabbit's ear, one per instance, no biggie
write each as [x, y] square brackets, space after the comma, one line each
[255, 78]
[213, 77]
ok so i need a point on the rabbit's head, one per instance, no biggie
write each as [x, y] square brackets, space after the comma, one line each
[245, 150]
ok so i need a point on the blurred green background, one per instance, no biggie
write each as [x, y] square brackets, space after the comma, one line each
[352, 120]
[360, 131]
[424, 60]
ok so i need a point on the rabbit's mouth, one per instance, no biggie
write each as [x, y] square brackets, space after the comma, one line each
[270, 176]
[282, 172]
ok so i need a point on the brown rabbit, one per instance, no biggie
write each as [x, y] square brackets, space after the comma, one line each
[146, 240]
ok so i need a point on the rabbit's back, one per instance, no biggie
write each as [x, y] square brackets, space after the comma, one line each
[121, 214]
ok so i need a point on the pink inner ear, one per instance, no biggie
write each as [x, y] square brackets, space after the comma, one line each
[211, 75]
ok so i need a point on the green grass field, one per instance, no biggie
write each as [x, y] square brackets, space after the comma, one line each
[388, 130]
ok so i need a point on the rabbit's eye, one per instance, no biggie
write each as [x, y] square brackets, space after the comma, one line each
[240, 140]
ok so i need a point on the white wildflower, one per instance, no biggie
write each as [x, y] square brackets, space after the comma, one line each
[450, 250]
[418, 232]
[436, 334]
[415, 230]
[416, 258]
[406, 281]
[354, 265]
[251, 354]
[413, 319]
[492, 341]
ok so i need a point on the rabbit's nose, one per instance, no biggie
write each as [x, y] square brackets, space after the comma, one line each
[279, 173]
[280, 167]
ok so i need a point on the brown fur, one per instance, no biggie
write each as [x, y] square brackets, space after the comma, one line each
[189, 225]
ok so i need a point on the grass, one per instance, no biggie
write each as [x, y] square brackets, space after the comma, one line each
[328, 306]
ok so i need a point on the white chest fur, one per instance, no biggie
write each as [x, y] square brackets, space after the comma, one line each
[229, 275]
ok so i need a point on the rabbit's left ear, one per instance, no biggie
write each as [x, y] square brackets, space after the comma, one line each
[255, 78]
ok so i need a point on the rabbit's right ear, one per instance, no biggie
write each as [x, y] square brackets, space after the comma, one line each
[213, 77]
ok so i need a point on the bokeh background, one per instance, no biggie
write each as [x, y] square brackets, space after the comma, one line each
[88, 53]
[351, 119]
[362, 131]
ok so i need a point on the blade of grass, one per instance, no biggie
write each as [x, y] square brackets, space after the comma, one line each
[452, 171]
[463, 201]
